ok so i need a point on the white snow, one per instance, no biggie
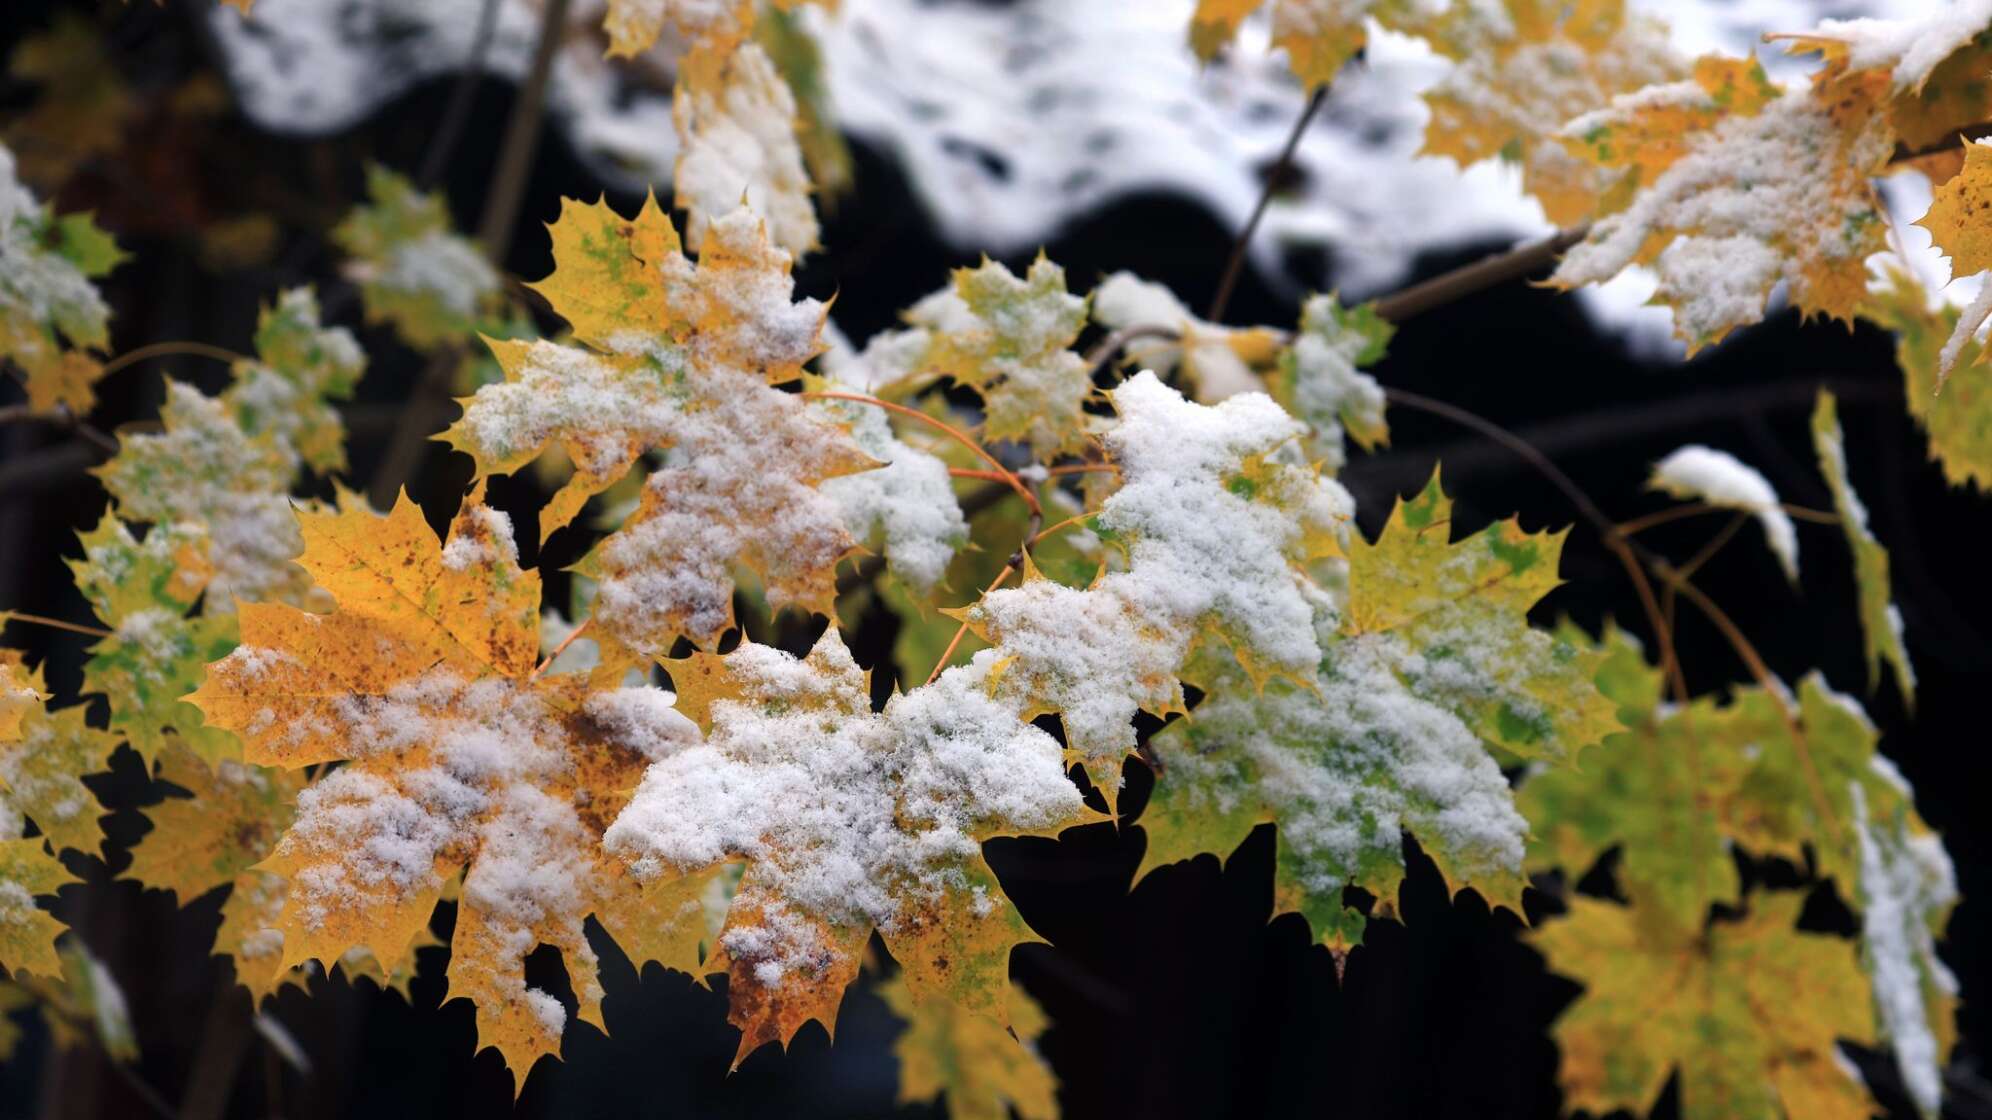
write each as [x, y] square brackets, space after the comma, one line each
[1907, 884]
[1702, 473]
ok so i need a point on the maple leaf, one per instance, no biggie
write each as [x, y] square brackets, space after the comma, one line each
[1009, 339]
[1524, 68]
[1956, 224]
[1739, 185]
[1219, 361]
[83, 103]
[1934, 65]
[155, 653]
[985, 1071]
[1748, 1012]
[1432, 660]
[459, 759]
[737, 146]
[1319, 36]
[1959, 421]
[799, 57]
[683, 361]
[849, 820]
[434, 285]
[47, 303]
[286, 393]
[27, 867]
[1217, 531]
[1319, 381]
[1881, 623]
[634, 25]
[205, 470]
[41, 775]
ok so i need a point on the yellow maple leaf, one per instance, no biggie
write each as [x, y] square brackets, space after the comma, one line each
[682, 359]
[1749, 1013]
[737, 143]
[1521, 73]
[459, 757]
[1958, 421]
[1739, 186]
[21, 691]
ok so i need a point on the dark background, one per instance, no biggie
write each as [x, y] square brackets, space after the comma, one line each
[1178, 999]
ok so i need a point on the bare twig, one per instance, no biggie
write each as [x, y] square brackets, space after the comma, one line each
[52, 623]
[1481, 274]
[522, 133]
[462, 95]
[999, 471]
[171, 349]
[1236, 264]
[1675, 513]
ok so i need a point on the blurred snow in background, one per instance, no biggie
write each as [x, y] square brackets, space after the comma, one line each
[1013, 119]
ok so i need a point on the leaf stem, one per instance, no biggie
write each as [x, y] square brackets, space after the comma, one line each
[1000, 473]
[170, 349]
[562, 647]
[948, 653]
[53, 623]
[1234, 266]
[1694, 509]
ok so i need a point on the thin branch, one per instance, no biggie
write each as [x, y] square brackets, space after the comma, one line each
[522, 133]
[1000, 472]
[175, 348]
[457, 112]
[948, 653]
[1676, 513]
[1714, 545]
[52, 623]
[1107, 349]
[562, 647]
[1236, 264]
[1484, 273]
[44, 468]
[62, 418]
[405, 447]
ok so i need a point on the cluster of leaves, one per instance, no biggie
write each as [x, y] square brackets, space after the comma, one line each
[355, 721]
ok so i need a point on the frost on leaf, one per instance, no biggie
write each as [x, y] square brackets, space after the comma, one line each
[909, 503]
[1935, 65]
[27, 867]
[738, 146]
[414, 271]
[204, 470]
[984, 1071]
[41, 779]
[848, 820]
[681, 359]
[1219, 361]
[457, 760]
[215, 837]
[1881, 622]
[1319, 378]
[1737, 185]
[1009, 339]
[50, 312]
[1958, 421]
[1907, 890]
[1748, 1013]
[1697, 473]
[1525, 67]
[1217, 521]
[1429, 662]
[287, 392]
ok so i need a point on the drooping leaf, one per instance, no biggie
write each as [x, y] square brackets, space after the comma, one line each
[1881, 623]
[1958, 420]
